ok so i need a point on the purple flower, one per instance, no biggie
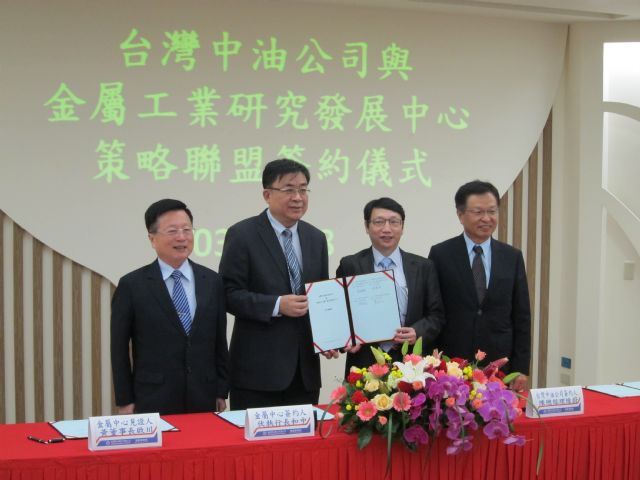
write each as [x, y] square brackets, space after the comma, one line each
[459, 445]
[491, 410]
[416, 434]
[434, 418]
[418, 400]
[515, 440]
[495, 429]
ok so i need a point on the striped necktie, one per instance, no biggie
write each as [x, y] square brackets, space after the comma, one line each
[180, 301]
[295, 272]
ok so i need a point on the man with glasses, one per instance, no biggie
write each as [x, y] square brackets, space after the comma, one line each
[484, 287]
[266, 260]
[171, 314]
[421, 311]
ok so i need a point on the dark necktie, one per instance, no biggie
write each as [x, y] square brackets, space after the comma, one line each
[180, 301]
[295, 272]
[479, 275]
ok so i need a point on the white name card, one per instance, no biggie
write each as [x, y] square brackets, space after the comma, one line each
[555, 402]
[279, 422]
[125, 431]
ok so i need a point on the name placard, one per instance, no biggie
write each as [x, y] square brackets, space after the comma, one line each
[125, 431]
[555, 402]
[279, 422]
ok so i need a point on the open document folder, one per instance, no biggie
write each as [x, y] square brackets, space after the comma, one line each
[352, 310]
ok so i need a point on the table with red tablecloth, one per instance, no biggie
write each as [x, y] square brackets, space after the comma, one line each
[604, 443]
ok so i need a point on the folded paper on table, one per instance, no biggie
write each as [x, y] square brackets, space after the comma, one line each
[632, 384]
[236, 417]
[620, 391]
[72, 429]
[353, 310]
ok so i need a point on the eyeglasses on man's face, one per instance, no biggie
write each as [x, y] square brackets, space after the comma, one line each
[291, 192]
[381, 222]
[174, 232]
[479, 212]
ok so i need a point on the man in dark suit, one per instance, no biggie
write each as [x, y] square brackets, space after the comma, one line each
[172, 313]
[484, 287]
[266, 260]
[417, 287]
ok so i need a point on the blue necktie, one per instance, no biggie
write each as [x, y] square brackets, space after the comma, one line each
[295, 272]
[180, 301]
[386, 263]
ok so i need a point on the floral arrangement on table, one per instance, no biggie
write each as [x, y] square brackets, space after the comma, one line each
[418, 399]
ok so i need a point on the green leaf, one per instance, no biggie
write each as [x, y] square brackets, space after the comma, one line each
[417, 347]
[379, 355]
[405, 348]
[510, 378]
[364, 437]
[389, 439]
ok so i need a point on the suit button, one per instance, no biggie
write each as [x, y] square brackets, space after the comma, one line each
[479, 312]
[189, 370]
[188, 342]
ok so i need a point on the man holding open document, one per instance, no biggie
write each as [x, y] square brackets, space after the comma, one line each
[417, 289]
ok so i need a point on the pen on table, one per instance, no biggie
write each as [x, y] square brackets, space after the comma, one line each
[40, 440]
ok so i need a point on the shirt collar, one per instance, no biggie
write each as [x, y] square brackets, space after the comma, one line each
[167, 270]
[278, 227]
[395, 256]
[486, 245]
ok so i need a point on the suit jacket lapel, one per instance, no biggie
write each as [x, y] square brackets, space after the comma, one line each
[199, 277]
[307, 251]
[268, 236]
[366, 261]
[496, 262]
[158, 289]
[411, 277]
[461, 258]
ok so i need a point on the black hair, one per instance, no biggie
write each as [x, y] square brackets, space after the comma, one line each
[163, 206]
[475, 187]
[276, 169]
[384, 202]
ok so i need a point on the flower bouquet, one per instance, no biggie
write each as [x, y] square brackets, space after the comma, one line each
[416, 400]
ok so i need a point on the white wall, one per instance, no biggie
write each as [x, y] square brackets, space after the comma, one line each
[594, 310]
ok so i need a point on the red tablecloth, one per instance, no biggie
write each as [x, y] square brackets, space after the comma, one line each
[604, 443]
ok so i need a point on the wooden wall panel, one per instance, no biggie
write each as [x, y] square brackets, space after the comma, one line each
[38, 326]
[80, 316]
[517, 212]
[96, 345]
[58, 347]
[76, 342]
[545, 253]
[18, 322]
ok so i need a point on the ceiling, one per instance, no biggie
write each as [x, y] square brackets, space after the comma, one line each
[565, 11]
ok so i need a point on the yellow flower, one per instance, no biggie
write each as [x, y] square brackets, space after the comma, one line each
[387, 357]
[359, 384]
[432, 361]
[453, 369]
[357, 407]
[349, 407]
[382, 402]
[478, 395]
[372, 385]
